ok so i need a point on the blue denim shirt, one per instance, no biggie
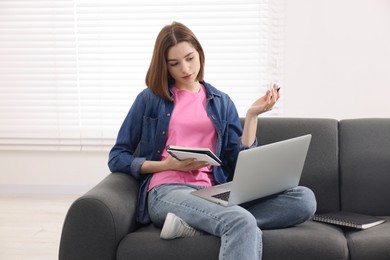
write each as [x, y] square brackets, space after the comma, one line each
[142, 136]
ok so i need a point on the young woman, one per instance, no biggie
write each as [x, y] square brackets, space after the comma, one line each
[180, 108]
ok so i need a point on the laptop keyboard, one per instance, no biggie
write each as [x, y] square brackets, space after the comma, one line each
[222, 196]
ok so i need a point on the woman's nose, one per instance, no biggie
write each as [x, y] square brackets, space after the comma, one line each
[185, 67]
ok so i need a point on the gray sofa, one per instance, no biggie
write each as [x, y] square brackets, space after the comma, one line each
[347, 167]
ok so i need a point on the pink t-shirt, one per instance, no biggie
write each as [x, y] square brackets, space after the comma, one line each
[189, 126]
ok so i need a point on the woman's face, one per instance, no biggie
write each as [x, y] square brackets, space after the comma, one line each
[183, 65]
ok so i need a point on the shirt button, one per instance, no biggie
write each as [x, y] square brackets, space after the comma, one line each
[168, 114]
[163, 132]
[158, 151]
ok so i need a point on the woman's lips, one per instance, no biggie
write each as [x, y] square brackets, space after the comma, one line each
[187, 77]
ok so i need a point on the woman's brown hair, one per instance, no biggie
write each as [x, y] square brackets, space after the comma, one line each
[157, 77]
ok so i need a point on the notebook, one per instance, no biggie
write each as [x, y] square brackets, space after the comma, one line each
[349, 219]
[261, 171]
[199, 154]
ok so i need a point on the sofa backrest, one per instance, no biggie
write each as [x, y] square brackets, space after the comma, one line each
[365, 165]
[320, 172]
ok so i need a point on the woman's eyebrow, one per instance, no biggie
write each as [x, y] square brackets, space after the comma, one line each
[189, 54]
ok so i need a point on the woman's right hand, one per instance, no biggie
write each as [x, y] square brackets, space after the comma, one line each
[171, 163]
[183, 165]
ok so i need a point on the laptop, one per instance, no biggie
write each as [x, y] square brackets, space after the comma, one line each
[262, 171]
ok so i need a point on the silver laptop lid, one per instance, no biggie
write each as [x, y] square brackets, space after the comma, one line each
[268, 169]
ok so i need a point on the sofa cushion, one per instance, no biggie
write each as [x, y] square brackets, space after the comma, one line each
[365, 166]
[320, 172]
[309, 240]
[372, 243]
[146, 244]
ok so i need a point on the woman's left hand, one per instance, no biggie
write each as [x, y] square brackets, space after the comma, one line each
[266, 102]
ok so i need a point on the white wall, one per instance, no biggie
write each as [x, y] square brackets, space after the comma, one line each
[337, 64]
[51, 171]
[337, 58]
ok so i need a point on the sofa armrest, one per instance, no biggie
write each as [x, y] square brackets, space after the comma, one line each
[97, 221]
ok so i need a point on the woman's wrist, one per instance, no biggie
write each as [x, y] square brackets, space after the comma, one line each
[250, 128]
[251, 116]
[154, 166]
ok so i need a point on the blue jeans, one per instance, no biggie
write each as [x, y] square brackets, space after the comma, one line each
[239, 227]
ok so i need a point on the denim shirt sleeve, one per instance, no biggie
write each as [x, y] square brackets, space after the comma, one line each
[232, 140]
[122, 156]
[244, 147]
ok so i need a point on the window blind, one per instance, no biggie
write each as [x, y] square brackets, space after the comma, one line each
[70, 69]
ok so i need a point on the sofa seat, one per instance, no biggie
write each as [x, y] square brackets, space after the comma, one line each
[308, 241]
[133, 246]
[370, 243]
[326, 243]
